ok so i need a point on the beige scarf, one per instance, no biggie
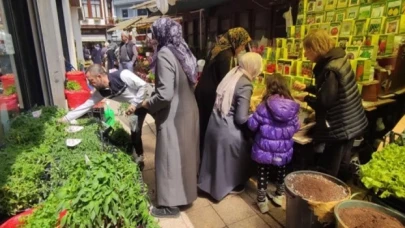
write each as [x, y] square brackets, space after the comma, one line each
[250, 65]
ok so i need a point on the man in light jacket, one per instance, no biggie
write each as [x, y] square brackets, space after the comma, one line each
[121, 86]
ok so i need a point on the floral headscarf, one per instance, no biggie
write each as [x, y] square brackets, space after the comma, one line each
[168, 33]
[234, 38]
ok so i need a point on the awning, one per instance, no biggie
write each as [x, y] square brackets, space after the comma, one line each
[182, 6]
[125, 24]
[147, 22]
[147, 4]
[93, 38]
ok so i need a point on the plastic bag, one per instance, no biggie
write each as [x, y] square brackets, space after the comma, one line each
[109, 116]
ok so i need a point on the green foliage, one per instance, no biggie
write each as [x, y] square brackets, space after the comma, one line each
[10, 91]
[73, 86]
[38, 170]
[120, 137]
[99, 194]
[23, 160]
[385, 173]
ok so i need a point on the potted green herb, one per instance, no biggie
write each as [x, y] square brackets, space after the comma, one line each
[75, 95]
[9, 99]
[385, 173]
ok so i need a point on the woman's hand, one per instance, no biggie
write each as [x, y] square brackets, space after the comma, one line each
[299, 86]
[131, 109]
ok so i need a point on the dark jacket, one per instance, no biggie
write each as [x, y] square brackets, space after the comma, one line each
[129, 47]
[205, 91]
[86, 53]
[338, 107]
[96, 56]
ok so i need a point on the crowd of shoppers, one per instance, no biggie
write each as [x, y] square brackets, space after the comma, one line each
[207, 138]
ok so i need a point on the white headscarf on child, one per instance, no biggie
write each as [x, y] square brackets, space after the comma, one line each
[250, 64]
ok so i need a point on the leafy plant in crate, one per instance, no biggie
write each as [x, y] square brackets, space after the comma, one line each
[103, 193]
[9, 100]
[73, 86]
[75, 94]
[385, 173]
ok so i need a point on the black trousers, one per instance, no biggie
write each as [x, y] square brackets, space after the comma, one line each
[263, 176]
[335, 159]
[136, 136]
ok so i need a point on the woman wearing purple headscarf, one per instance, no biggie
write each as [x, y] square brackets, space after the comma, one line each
[176, 114]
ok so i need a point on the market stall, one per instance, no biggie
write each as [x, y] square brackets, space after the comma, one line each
[372, 34]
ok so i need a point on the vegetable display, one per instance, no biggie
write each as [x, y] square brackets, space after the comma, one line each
[96, 188]
[385, 173]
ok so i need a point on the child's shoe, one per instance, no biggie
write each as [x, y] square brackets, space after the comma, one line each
[279, 200]
[263, 206]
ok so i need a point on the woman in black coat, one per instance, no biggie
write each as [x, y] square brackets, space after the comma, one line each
[339, 112]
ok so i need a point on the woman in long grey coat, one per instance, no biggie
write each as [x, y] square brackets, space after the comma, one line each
[176, 114]
[226, 156]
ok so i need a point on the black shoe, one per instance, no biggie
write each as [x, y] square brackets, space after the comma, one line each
[165, 212]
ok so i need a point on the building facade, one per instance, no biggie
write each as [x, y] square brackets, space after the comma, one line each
[98, 17]
[123, 9]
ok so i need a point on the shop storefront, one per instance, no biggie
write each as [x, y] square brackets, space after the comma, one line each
[31, 58]
[11, 97]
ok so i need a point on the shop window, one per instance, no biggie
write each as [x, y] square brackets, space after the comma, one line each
[190, 33]
[260, 25]
[244, 21]
[125, 13]
[261, 19]
[258, 34]
[9, 88]
[96, 8]
[213, 25]
[212, 29]
[225, 25]
[142, 12]
[85, 9]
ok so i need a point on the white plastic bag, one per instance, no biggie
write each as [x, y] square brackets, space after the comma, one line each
[288, 18]
[73, 142]
[74, 129]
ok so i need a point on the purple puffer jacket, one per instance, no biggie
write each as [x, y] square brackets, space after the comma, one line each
[274, 124]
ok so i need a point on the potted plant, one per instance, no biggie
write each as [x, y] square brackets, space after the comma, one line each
[384, 174]
[75, 95]
[357, 213]
[311, 197]
[9, 99]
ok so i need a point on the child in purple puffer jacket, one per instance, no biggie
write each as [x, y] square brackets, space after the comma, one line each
[274, 123]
